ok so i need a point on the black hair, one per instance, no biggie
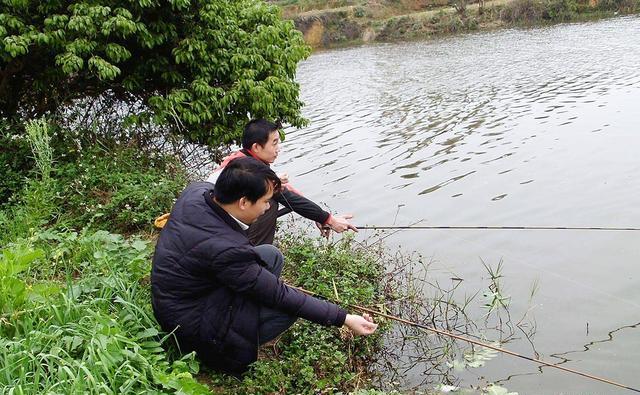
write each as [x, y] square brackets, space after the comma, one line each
[258, 131]
[245, 177]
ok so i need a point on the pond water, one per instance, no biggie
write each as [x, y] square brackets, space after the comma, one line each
[533, 127]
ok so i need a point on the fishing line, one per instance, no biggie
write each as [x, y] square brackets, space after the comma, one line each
[436, 227]
[388, 227]
[475, 342]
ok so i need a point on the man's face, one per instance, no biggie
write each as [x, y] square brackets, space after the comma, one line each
[269, 151]
[253, 210]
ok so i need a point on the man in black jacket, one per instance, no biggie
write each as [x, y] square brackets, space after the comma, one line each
[218, 293]
[261, 140]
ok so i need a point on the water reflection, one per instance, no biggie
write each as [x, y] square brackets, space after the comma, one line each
[565, 360]
[563, 356]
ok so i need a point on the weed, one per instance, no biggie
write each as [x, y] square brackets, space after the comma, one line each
[494, 296]
[40, 142]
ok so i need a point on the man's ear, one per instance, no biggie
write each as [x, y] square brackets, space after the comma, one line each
[242, 203]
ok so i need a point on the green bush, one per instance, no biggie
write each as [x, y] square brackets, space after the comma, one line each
[119, 189]
[196, 67]
[329, 268]
[359, 12]
[453, 23]
[560, 10]
[535, 11]
[107, 186]
[69, 194]
[523, 11]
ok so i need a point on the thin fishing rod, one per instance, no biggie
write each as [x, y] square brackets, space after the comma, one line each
[476, 342]
[426, 227]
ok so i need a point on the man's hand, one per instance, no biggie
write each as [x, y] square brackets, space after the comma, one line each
[284, 177]
[325, 231]
[340, 223]
[360, 325]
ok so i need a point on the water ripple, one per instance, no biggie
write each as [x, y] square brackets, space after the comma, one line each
[484, 106]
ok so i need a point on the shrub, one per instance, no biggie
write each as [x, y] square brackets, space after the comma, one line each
[197, 67]
[453, 23]
[560, 10]
[113, 187]
[118, 189]
[532, 11]
[525, 11]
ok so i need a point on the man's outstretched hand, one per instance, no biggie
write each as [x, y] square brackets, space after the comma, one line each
[340, 223]
[360, 324]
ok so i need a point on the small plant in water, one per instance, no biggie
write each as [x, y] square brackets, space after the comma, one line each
[495, 298]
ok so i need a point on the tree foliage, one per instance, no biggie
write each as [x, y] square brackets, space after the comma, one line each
[198, 66]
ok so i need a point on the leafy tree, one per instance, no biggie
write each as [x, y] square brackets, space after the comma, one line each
[200, 67]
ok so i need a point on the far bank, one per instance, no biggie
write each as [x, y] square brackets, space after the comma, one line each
[350, 22]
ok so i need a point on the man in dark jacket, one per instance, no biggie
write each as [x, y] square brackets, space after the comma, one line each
[261, 140]
[219, 294]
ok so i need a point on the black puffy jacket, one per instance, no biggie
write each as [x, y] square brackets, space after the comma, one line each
[208, 284]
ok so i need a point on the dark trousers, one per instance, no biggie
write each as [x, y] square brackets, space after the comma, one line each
[272, 322]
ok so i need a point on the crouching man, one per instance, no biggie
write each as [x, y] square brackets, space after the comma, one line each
[219, 294]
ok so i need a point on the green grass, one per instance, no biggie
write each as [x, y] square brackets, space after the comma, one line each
[76, 318]
[75, 314]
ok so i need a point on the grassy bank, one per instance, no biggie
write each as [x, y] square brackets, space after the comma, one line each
[340, 23]
[75, 313]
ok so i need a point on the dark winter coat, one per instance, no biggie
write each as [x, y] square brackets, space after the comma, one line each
[208, 284]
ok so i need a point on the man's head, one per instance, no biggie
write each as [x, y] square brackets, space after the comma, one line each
[245, 187]
[263, 139]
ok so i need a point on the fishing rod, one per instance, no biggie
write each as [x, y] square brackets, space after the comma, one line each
[427, 227]
[473, 341]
